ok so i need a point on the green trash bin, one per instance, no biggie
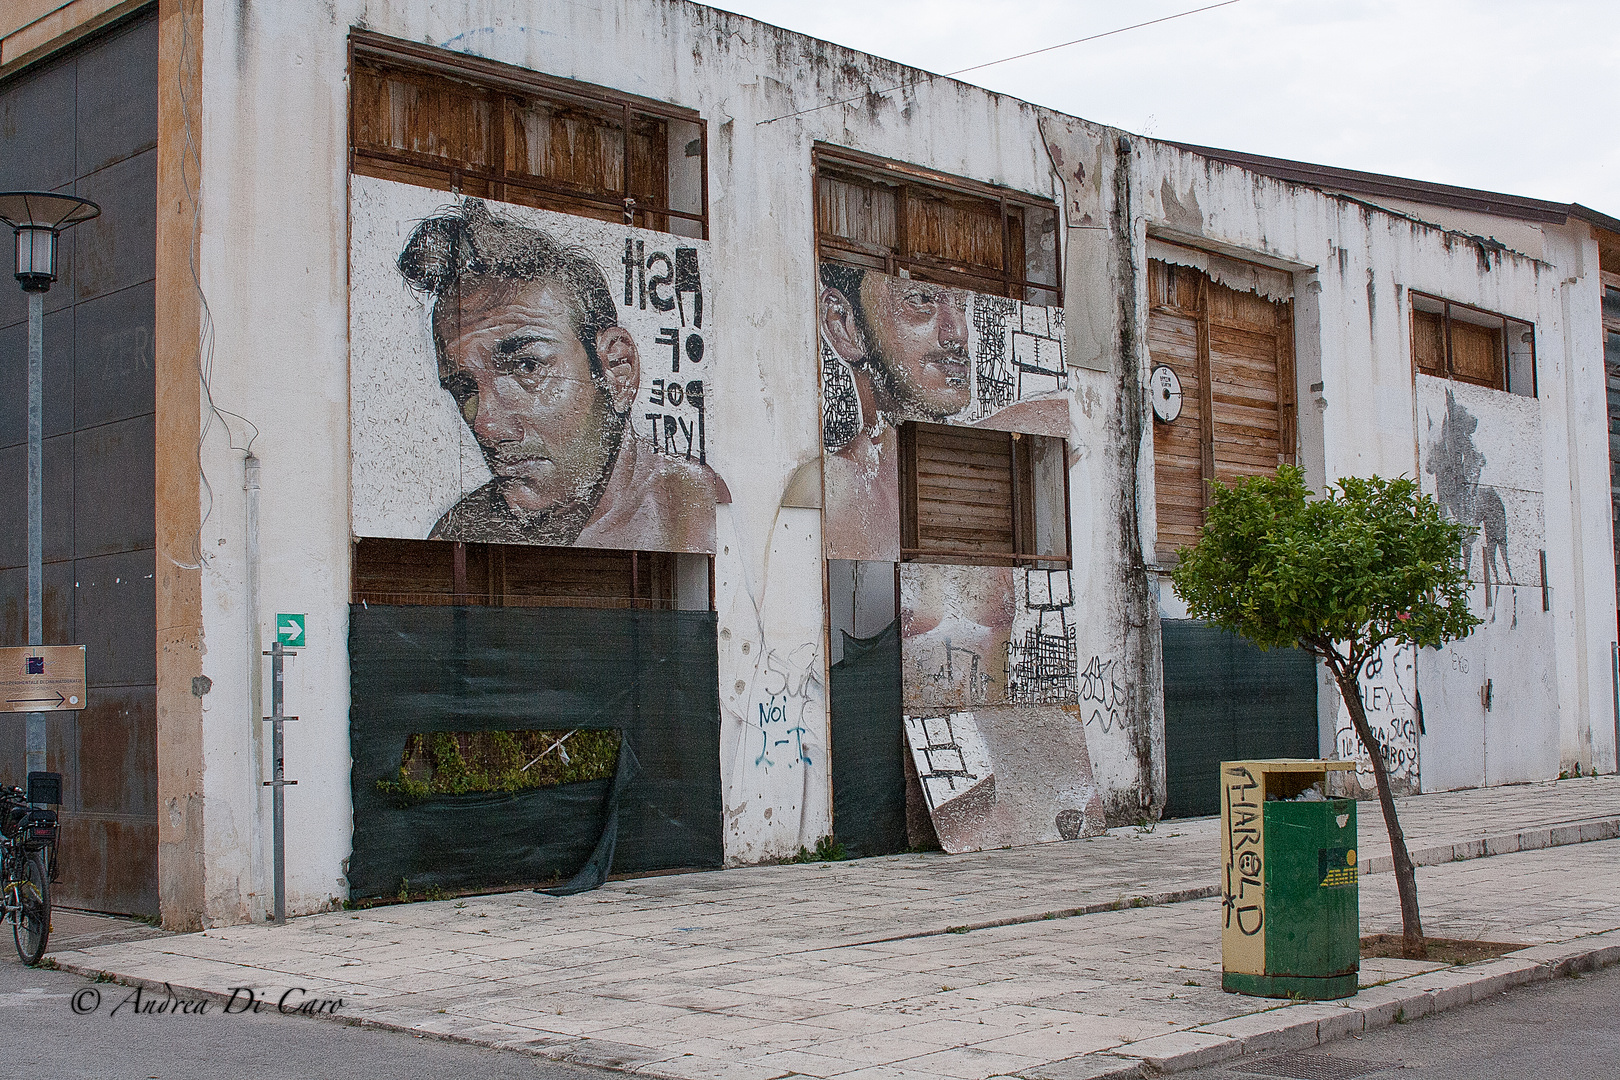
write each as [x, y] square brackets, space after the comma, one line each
[1290, 903]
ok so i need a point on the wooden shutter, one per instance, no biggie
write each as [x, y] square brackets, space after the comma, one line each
[492, 141]
[1178, 447]
[970, 496]
[1251, 374]
[1234, 354]
[1429, 342]
[857, 220]
[964, 490]
[442, 572]
[941, 229]
[1476, 354]
[421, 114]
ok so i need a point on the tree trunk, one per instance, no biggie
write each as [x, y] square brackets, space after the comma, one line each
[1405, 875]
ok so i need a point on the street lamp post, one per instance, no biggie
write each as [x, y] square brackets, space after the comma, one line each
[37, 218]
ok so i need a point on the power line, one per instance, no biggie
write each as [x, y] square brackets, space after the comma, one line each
[1003, 60]
[1093, 37]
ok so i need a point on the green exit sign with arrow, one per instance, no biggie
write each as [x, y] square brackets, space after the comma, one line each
[290, 630]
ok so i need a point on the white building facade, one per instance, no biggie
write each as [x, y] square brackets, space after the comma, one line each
[798, 582]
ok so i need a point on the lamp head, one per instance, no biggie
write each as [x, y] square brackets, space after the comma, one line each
[37, 217]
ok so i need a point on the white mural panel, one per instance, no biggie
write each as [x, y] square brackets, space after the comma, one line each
[523, 376]
[986, 635]
[1004, 775]
[1490, 701]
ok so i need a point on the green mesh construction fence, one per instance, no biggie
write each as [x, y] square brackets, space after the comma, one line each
[869, 745]
[650, 675]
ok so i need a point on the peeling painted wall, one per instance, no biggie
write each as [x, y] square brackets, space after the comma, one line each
[1363, 410]
[273, 264]
[285, 291]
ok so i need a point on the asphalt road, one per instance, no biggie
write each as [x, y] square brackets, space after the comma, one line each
[42, 1035]
[1566, 1029]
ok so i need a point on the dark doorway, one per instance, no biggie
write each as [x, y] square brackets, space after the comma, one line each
[868, 731]
[649, 675]
[1225, 700]
[868, 745]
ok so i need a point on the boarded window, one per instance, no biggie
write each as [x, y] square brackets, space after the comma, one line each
[896, 219]
[1456, 341]
[1233, 353]
[443, 572]
[444, 120]
[988, 498]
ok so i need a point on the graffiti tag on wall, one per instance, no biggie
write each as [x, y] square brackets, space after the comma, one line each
[1389, 697]
[1103, 694]
[790, 704]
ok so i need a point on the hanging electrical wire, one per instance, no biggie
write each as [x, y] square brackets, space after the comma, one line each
[1003, 60]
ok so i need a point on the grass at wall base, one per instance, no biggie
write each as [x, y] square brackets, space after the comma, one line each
[1372, 560]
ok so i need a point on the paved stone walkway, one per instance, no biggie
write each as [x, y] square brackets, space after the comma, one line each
[869, 970]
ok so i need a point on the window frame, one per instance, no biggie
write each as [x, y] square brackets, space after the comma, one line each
[1203, 368]
[903, 262]
[652, 576]
[1506, 385]
[502, 83]
[1024, 522]
[1606, 282]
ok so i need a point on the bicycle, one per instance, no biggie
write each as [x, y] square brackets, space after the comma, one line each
[28, 836]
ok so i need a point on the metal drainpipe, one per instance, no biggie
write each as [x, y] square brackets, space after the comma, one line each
[255, 647]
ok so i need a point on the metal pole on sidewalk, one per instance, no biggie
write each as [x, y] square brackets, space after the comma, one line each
[278, 781]
[36, 218]
[35, 735]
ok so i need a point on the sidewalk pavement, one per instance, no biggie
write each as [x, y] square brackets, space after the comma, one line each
[1063, 961]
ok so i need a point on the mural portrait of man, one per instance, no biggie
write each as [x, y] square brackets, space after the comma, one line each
[530, 348]
[905, 340]
[898, 349]
[906, 344]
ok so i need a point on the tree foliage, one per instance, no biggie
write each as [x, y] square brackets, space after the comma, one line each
[1373, 560]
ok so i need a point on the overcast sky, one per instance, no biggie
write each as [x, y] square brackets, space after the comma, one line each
[1507, 95]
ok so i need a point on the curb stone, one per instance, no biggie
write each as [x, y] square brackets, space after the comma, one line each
[1293, 1027]
[1578, 832]
[1582, 832]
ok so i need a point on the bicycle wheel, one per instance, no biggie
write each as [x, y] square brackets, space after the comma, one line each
[32, 927]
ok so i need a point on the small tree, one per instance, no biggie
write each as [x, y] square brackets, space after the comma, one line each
[1372, 561]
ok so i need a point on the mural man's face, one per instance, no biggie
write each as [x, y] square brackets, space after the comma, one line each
[513, 361]
[920, 335]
